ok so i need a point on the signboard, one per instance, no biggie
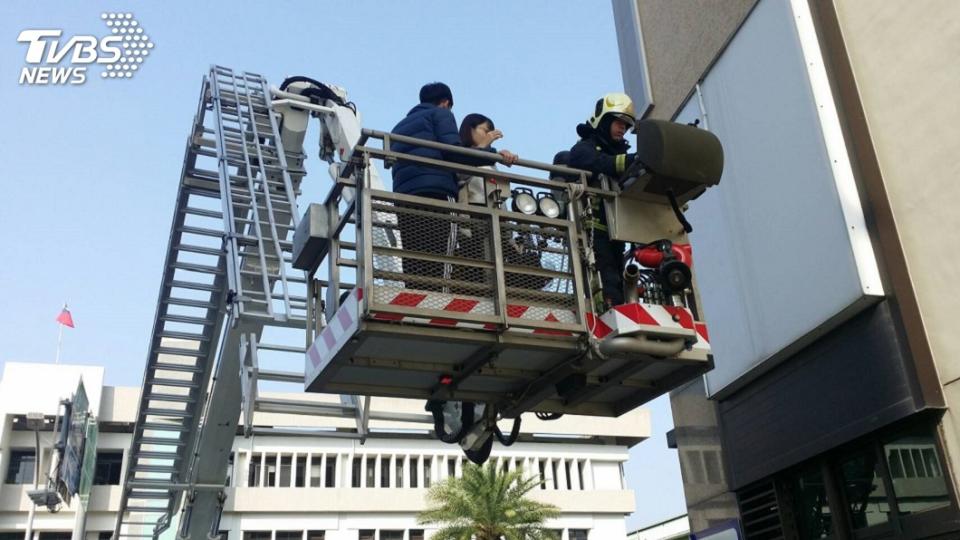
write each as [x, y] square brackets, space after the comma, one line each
[89, 467]
[73, 451]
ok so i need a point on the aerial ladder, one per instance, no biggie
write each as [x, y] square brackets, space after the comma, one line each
[509, 328]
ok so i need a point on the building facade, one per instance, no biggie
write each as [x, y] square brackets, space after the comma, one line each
[310, 488]
[826, 259]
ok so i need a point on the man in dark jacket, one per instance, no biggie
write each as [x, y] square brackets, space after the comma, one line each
[603, 150]
[431, 120]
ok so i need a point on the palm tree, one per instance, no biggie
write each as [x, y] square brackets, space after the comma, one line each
[488, 504]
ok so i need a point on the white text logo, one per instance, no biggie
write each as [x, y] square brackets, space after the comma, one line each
[53, 59]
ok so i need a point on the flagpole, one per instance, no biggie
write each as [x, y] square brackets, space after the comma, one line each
[60, 334]
[59, 340]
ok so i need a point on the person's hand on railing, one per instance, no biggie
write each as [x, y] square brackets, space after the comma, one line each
[487, 138]
[509, 158]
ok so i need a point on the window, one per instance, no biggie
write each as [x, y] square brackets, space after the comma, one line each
[809, 498]
[316, 468]
[300, 475]
[286, 465]
[580, 466]
[452, 467]
[556, 478]
[108, 468]
[413, 472]
[15, 536]
[21, 467]
[56, 535]
[271, 470]
[332, 471]
[107, 535]
[542, 465]
[569, 479]
[316, 535]
[556, 534]
[366, 534]
[399, 482]
[355, 477]
[253, 470]
[371, 472]
[918, 482]
[289, 535]
[863, 488]
[711, 464]
[416, 534]
[385, 472]
[391, 535]
[578, 534]
[256, 535]
[427, 462]
[229, 469]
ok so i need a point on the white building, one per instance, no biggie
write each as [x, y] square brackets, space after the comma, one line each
[318, 487]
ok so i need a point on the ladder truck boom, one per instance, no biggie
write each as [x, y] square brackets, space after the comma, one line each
[509, 328]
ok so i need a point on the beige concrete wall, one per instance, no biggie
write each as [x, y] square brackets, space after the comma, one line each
[255, 500]
[904, 59]
[682, 38]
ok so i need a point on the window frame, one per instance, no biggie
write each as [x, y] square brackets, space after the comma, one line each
[923, 524]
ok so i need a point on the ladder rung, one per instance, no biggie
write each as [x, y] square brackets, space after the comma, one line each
[280, 348]
[158, 455]
[199, 249]
[178, 383]
[183, 335]
[190, 303]
[160, 441]
[193, 286]
[194, 267]
[175, 351]
[174, 413]
[188, 319]
[203, 212]
[201, 231]
[144, 510]
[174, 398]
[148, 495]
[159, 426]
[177, 367]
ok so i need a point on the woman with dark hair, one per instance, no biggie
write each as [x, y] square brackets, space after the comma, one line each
[478, 131]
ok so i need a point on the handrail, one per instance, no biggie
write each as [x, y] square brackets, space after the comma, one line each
[529, 163]
[387, 154]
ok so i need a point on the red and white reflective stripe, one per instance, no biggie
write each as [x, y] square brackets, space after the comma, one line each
[337, 332]
[462, 304]
[628, 318]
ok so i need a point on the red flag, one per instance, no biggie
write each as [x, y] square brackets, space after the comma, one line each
[64, 318]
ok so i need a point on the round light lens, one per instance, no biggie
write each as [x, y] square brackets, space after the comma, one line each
[549, 207]
[525, 203]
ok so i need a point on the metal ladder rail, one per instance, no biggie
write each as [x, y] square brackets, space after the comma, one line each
[265, 186]
[152, 416]
[267, 197]
[245, 329]
[254, 211]
[258, 205]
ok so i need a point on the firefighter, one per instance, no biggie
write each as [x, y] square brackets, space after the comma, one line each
[603, 150]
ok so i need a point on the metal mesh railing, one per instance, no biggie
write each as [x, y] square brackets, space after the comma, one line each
[432, 255]
[537, 265]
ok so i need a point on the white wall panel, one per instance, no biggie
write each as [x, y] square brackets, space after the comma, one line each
[781, 251]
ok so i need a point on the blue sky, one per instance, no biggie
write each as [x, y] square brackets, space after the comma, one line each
[90, 172]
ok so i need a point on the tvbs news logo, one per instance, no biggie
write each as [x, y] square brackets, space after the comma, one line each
[53, 59]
